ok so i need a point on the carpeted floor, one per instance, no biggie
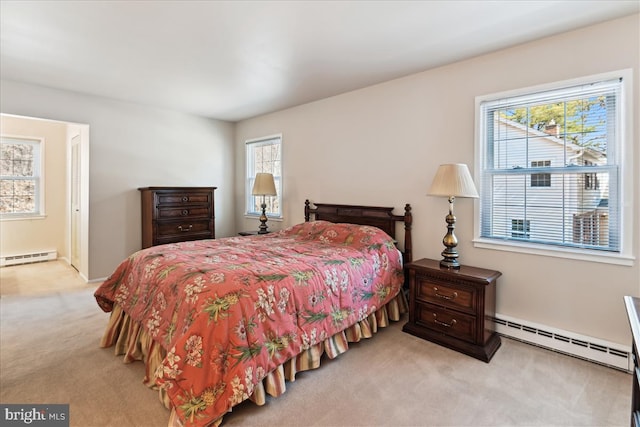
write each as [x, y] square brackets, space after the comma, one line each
[49, 354]
[40, 278]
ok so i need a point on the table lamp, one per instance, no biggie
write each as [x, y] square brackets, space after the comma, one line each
[451, 181]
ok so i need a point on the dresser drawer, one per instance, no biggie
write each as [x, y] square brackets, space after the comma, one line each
[182, 228]
[451, 295]
[180, 198]
[183, 212]
[453, 323]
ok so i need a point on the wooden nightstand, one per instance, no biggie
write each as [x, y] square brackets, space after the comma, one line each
[454, 308]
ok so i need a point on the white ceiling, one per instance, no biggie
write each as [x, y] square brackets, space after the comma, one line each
[232, 60]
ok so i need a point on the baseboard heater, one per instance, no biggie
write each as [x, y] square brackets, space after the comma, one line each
[27, 258]
[583, 347]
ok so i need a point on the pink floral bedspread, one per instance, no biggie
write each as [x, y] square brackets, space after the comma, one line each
[229, 311]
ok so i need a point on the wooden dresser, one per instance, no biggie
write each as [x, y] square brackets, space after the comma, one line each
[454, 308]
[177, 214]
[633, 311]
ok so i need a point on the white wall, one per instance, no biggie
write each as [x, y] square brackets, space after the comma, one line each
[381, 145]
[133, 146]
[49, 232]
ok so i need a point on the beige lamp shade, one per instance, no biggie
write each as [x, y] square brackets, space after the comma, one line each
[453, 180]
[264, 185]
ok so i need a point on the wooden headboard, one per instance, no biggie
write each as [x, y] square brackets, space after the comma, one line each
[376, 216]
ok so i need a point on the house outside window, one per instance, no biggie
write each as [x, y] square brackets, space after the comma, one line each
[577, 203]
[264, 155]
[21, 192]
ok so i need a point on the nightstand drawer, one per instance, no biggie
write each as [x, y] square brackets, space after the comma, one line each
[453, 323]
[452, 295]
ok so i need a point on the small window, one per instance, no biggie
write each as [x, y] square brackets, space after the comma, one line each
[591, 181]
[264, 155]
[20, 177]
[541, 179]
[520, 229]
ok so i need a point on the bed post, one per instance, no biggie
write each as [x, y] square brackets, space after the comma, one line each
[307, 211]
[408, 219]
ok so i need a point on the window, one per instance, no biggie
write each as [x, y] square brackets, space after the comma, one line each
[576, 204]
[520, 229]
[541, 179]
[264, 155]
[591, 179]
[20, 177]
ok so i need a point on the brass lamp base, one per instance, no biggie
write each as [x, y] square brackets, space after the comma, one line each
[450, 254]
[263, 219]
[450, 260]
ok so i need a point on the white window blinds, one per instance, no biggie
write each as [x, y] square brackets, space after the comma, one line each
[550, 167]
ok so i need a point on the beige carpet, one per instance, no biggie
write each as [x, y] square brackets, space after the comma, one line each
[49, 354]
[39, 278]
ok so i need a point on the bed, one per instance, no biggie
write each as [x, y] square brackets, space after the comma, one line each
[217, 322]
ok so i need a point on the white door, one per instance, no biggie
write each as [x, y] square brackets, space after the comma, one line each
[75, 202]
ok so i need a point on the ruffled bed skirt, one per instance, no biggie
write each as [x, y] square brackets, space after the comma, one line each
[132, 341]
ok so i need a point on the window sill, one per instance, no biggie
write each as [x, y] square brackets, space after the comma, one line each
[559, 252]
[22, 217]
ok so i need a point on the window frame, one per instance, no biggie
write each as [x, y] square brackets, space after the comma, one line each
[623, 153]
[250, 173]
[38, 177]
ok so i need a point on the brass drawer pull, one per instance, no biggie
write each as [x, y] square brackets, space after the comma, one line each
[447, 297]
[446, 325]
[185, 229]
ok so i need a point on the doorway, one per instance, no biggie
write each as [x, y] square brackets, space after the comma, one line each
[66, 171]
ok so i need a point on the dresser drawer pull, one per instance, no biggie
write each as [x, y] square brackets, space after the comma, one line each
[185, 212]
[185, 229]
[446, 325]
[185, 198]
[447, 297]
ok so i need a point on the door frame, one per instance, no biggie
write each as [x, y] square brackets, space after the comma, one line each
[82, 130]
